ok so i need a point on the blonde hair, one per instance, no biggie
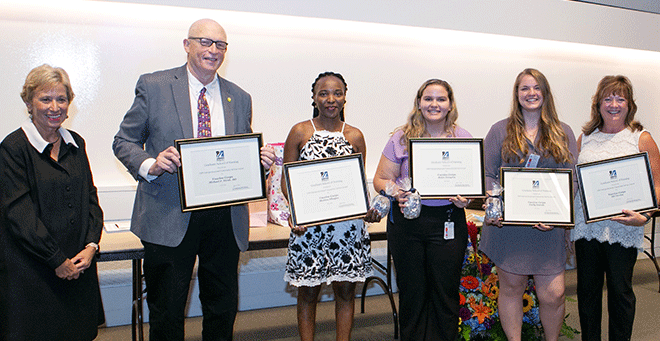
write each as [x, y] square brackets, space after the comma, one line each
[45, 76]
[416, 125]
[612, 85]
[553, 140]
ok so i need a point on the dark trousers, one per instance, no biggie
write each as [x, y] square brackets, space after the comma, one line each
[428, 271]
[615, 262]
[168, 271]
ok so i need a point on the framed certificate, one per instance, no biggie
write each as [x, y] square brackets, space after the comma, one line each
[442, 168]
[326, 190]
[220, 171]
[609, 186]
[537, 195]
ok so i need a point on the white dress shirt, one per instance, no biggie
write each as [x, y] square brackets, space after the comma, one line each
[214, 100]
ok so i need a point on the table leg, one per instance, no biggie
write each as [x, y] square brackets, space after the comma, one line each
[137, 332]
[651, 255]
[387, 287]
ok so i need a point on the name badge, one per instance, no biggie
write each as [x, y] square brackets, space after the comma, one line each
[449, 230]
[532, 161]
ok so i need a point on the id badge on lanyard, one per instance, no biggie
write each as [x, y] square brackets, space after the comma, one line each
[449, 226]
[532, 161]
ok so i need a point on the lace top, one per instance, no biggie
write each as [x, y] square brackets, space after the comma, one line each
[324, 144]
[600, 146]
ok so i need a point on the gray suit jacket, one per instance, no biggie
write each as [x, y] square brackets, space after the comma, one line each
[159, 115]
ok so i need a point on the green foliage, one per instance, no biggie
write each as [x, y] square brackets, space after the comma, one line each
[567, 330]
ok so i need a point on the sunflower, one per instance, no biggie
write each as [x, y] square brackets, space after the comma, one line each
[528, 302]
[494, 292]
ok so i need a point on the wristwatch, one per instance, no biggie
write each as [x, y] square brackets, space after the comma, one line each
[94, 245]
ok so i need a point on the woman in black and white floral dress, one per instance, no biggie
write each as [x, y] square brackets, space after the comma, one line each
[339, 253]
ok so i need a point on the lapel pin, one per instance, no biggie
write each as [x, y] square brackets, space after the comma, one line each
[228, 99]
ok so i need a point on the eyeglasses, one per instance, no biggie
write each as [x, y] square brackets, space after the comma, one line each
[206, 42]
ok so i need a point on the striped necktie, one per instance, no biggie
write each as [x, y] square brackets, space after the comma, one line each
[203, 116]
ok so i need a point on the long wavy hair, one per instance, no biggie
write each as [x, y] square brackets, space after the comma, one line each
[612, 85]
[416, 124]
[552, 142]
[318, 78]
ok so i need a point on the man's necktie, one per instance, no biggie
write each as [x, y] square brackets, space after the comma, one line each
[203, 116]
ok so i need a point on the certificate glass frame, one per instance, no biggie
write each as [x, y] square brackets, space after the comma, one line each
[537, 195]
[441, 168]
[220, 171]
[326, 190]
[608, 186]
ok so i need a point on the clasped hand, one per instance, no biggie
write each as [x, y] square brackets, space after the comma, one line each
[72, 268]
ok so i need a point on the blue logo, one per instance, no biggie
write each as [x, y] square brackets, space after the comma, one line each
[536, 184]
[445, 154]
[324, 176]
[219, 155]
[613, 174]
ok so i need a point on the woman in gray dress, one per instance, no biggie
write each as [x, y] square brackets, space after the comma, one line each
[532, 136]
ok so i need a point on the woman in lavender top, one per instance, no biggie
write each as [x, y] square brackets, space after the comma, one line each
[428, 263]
[532, 136]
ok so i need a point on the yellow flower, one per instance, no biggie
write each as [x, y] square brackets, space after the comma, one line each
[528, 302]
[471, 258]
[493, 305]
[494, 293]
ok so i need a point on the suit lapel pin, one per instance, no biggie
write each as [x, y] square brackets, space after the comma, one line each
[228, 99]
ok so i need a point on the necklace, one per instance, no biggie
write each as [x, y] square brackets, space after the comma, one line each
[531, 135]
[59, 138]
[55, 151]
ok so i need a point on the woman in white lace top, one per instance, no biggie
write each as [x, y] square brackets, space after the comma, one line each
[610, 247]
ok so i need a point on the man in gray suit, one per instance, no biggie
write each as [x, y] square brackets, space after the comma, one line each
[186, 102]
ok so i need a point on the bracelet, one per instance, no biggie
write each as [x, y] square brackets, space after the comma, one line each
[647, 216]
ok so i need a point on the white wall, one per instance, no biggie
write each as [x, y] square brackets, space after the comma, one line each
[105, 46]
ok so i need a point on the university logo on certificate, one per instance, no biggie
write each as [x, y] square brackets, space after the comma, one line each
[220, 171]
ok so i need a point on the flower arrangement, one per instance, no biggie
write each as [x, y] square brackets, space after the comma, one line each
[479, 319]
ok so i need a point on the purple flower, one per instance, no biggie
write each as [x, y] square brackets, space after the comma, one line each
[464, 313]
[487, 268]
[489, 322]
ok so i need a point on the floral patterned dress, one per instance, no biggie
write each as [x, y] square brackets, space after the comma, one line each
[333, 252]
